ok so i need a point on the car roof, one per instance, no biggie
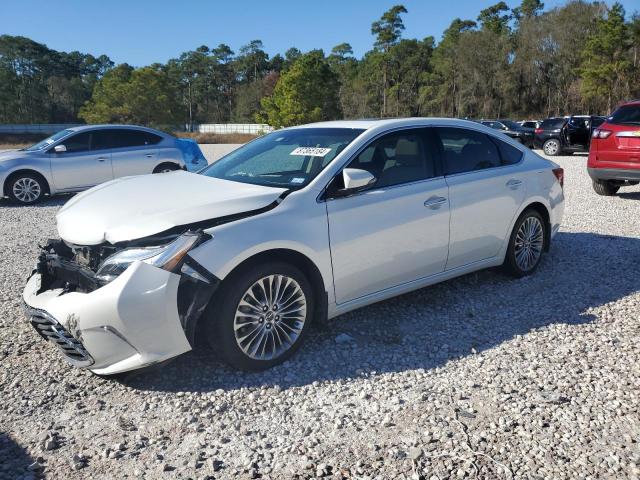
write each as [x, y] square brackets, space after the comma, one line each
[81, 128]
[630, 102]
[370, 124]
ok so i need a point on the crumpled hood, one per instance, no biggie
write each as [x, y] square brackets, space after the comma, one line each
[130, 208]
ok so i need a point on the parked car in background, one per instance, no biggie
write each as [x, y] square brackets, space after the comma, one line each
[614, 156]
[300, 225]
[512, 129]
[193, 156]
[532, 124]
[566, 135]
[78, 158]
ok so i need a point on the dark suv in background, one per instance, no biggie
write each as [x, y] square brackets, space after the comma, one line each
[566, 134]
[513, 130]
[614, 157]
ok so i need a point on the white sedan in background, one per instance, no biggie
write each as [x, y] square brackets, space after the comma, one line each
[300, 225]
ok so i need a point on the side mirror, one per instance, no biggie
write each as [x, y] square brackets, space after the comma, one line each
[354, 178]
[59, 149]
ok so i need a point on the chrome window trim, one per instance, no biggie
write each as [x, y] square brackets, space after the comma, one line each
[320, 199]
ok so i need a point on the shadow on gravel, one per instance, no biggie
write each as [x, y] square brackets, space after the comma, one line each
[629, 195]
[15, 461]
[427, 328]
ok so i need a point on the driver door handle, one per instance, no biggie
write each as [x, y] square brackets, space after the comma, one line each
[435, 202]
[102, 159]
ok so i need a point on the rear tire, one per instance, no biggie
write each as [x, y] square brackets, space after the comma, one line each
[604, 188]
[552, 147]
[26, 188]
[526, 244]
[261, 315]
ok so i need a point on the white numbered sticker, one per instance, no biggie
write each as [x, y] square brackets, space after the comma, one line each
[297, 180]
[311, 151]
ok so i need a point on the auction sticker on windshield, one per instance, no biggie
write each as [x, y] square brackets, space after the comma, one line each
[311, 151]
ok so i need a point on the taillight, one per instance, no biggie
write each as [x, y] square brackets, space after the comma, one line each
[559, 173]
[600, 133]
[538, 131]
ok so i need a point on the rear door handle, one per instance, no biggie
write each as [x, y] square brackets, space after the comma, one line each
[102, 159]
[435, 202]
[149, 155]
[514, 183]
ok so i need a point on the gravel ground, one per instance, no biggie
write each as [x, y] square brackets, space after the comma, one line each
[479, 377]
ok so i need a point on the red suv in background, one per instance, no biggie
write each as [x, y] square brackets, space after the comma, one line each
[614, 155]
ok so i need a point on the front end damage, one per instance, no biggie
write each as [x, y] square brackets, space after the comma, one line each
[114, 323]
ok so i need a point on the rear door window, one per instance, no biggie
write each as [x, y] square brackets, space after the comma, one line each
[123, 138]
[467, 150]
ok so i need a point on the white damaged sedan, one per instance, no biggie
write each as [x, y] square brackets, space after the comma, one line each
[300, 225]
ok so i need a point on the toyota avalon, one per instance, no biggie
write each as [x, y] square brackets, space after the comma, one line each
[298, 226]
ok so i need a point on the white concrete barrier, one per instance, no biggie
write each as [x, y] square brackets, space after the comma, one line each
[251, 128]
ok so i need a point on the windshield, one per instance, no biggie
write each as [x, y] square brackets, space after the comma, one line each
[42, 144]
[627, 115]
[286, 158]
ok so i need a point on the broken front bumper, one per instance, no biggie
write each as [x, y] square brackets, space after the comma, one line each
[126, 324]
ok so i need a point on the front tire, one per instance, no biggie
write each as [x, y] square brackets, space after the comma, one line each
[526, 244]
[26, 188]
[551, 147]
[262, 315]
[604, 188]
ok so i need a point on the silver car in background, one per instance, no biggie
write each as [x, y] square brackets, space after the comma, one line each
[81, 157]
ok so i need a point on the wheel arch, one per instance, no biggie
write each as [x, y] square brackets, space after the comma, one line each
[299, 260]
[170, 163]
[5, 187]
[546, 215]
[292, 257]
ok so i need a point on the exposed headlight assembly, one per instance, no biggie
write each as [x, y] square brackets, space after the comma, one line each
[166, 257]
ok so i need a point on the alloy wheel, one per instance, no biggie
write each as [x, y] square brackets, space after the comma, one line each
[270, 317]
[551, 147]
[26, 190]
[528, 243]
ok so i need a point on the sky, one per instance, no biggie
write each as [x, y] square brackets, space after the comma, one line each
[141, 32]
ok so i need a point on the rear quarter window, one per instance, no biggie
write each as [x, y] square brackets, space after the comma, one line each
[629, 115]
[553, 123]
[509, 155]
[123, 138]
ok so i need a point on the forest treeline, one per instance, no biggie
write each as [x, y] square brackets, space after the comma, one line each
[523, 62]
